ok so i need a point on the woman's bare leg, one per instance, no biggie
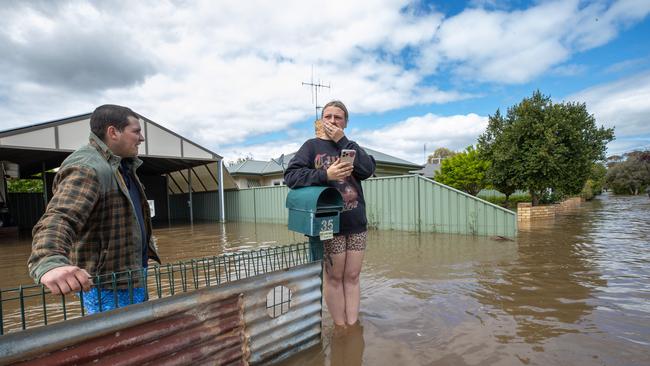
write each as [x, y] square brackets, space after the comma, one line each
[351, 284]
[334, 295]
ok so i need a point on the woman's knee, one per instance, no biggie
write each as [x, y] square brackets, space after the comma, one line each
[351, 277]
[334, 276]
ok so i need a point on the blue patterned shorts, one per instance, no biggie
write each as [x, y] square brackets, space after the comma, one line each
[91, 299]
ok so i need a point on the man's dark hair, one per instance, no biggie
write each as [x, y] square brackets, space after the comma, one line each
[110, 115]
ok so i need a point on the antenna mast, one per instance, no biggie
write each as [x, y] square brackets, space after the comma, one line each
[315, 87]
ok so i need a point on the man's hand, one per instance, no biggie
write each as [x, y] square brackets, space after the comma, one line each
[66, 279]
[333, 131]
[339, 170]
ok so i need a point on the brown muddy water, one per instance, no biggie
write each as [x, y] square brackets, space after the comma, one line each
[573, 291]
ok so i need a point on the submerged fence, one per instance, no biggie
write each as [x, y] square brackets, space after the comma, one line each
[255, 307]
[31, 306]
[410, 203]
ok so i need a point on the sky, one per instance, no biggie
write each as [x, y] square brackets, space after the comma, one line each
[415, 75]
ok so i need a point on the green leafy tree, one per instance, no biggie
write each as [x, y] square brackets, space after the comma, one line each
[553, 146]
[464, 171]
[595, 182]
[439, 154]
[24, 185]
[630, 174]
[501, 154]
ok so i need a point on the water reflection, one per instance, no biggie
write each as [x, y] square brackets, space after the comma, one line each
[569, 291]
[347, 345]
[547, 289]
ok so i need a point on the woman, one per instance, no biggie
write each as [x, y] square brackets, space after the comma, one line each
[318, 163]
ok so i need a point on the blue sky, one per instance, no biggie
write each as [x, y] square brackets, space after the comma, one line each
[228, 74]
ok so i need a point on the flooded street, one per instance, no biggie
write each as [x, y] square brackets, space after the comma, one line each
[574, 291]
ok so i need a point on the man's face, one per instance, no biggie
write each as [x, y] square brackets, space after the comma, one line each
[335, 116]
[125, 143]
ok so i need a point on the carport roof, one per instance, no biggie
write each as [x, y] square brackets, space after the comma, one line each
[47, 144]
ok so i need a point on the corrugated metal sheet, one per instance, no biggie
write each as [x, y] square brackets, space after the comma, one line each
[205, 206]
[274, 339]
[200, 327]
[240, 205]
[178, 208]
[273, 210]
[410, 203]
[183, 330]
[447, 210]
[262, 205]
[391, 203]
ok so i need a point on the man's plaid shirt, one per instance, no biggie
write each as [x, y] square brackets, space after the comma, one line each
[90, 221]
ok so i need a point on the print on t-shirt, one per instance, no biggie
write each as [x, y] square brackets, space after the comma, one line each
[349, 193]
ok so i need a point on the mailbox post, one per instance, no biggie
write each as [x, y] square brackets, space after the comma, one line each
[315, 212]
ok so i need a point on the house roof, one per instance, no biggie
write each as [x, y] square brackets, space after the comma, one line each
[275, 166]
[428, 171]
[44, 146]
[255, 167]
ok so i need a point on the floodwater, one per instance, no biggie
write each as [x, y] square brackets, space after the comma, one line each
[573, 291]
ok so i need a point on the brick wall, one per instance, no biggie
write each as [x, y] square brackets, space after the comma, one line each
[526, 211]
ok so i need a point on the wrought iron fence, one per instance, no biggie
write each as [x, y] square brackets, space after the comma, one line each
[31, 306]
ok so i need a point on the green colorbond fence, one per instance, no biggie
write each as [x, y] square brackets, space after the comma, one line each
[415, 203]
[205, 206]
[410, 203]
[262, 204]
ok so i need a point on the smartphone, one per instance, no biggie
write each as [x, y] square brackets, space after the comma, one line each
[348, 155]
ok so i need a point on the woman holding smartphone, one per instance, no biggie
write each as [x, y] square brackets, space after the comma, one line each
[318, 162]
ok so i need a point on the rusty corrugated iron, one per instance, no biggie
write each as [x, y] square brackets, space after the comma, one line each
[224, 325]
[210, 330]
[274, 339]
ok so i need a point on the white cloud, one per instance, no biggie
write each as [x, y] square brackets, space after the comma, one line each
[569, 70]
[520, 45]
[623, 104]
[265, 151]
[406, 139]
[223, 74]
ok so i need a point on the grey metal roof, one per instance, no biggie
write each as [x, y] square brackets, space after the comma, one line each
[274, 166]
[428, 171]
[255, 167]
[47, 144]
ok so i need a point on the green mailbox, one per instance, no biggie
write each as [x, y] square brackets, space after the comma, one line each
[314, 211]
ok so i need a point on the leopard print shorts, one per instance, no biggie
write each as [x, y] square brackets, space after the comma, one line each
[341, 243]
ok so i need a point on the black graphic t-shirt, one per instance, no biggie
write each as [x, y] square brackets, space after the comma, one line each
[309, 168]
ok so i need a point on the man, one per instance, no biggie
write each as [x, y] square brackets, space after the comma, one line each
[98, 221]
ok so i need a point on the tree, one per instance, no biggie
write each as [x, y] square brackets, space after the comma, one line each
[553, 145]
[464, 171]
[630, 174]
[439, 154]
[240, 160]
[24, 185]
[596, 181]
[613, 159]
[501, 154]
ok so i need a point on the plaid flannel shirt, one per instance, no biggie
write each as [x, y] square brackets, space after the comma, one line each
[90, 221]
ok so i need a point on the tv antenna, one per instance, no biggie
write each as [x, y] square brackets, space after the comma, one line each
[315, 87]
